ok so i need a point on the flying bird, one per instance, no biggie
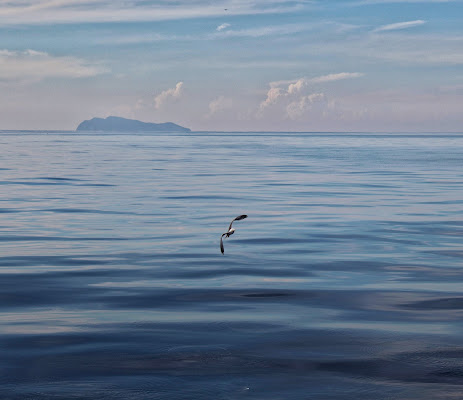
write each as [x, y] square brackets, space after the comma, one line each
[231, 231]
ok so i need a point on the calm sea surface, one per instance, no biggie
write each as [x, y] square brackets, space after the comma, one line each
[345, 281]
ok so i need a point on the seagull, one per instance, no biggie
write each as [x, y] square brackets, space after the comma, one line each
[231, 231]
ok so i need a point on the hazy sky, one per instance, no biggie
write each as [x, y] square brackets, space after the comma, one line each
[307, 65]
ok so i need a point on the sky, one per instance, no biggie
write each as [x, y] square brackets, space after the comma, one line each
[234, 65]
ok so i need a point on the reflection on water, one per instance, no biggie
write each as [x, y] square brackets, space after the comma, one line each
[343, 283]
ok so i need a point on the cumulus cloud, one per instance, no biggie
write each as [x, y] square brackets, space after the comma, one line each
[292, 100]
[32, 65]
[168, 95]
[296, 98]
[273, 95]
[223, 26]
[219, 104]
[298, 108]
[400, 25]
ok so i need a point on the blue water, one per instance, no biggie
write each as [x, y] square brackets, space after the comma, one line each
[345, 281]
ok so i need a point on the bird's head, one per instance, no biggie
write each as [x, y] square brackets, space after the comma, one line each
[231, 231]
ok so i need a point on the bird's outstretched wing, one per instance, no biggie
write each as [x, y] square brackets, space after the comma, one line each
[221, 243]
[240, 217]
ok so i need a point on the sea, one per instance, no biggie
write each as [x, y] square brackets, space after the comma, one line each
[345, 281]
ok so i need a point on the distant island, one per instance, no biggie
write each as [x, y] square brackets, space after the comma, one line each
[118, 124]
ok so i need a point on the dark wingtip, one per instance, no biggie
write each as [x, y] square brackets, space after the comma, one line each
[241, 217]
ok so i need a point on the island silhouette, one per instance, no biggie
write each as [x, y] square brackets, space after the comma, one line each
[118, 124]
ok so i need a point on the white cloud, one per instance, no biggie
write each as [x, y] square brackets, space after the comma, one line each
[298, 84]
[168, 95]
[223, 26]
[219, 104]
[400, 25]
[88, 11]
[336, 77]
[298, 108]
[273, 95]
[271, 30]
[32, 65]
[293, 99]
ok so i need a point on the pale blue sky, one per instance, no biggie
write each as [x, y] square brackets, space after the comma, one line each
[352, 65]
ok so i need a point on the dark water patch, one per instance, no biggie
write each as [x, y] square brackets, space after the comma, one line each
[266, 294]
[54, 183]
[443, 367]
[72, 289]
[63, 277]
[95, 211]
[31, 183]
[188, 298]
[448, 303]
[212, 273]
[271, 241]
[374, 186]
[282, 184]
[9, 210]
[24, 238]
[42, 294]
[418, 271]
[331, 205]
[433, 222]
[87, 211]
[350, 265]
[216, 354]
[447, 253]
[201, 197]
[385, 172]
[53, 178]
[444, 202]
[142, 298]
[366, 238]
[97, 185]
[335, 194]
[88, 290]
[52, 260]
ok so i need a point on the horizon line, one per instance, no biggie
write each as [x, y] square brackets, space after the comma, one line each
[55, 131]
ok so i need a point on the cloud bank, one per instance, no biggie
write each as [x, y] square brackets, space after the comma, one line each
[31, 65]
[96, 11]
[295, 99]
